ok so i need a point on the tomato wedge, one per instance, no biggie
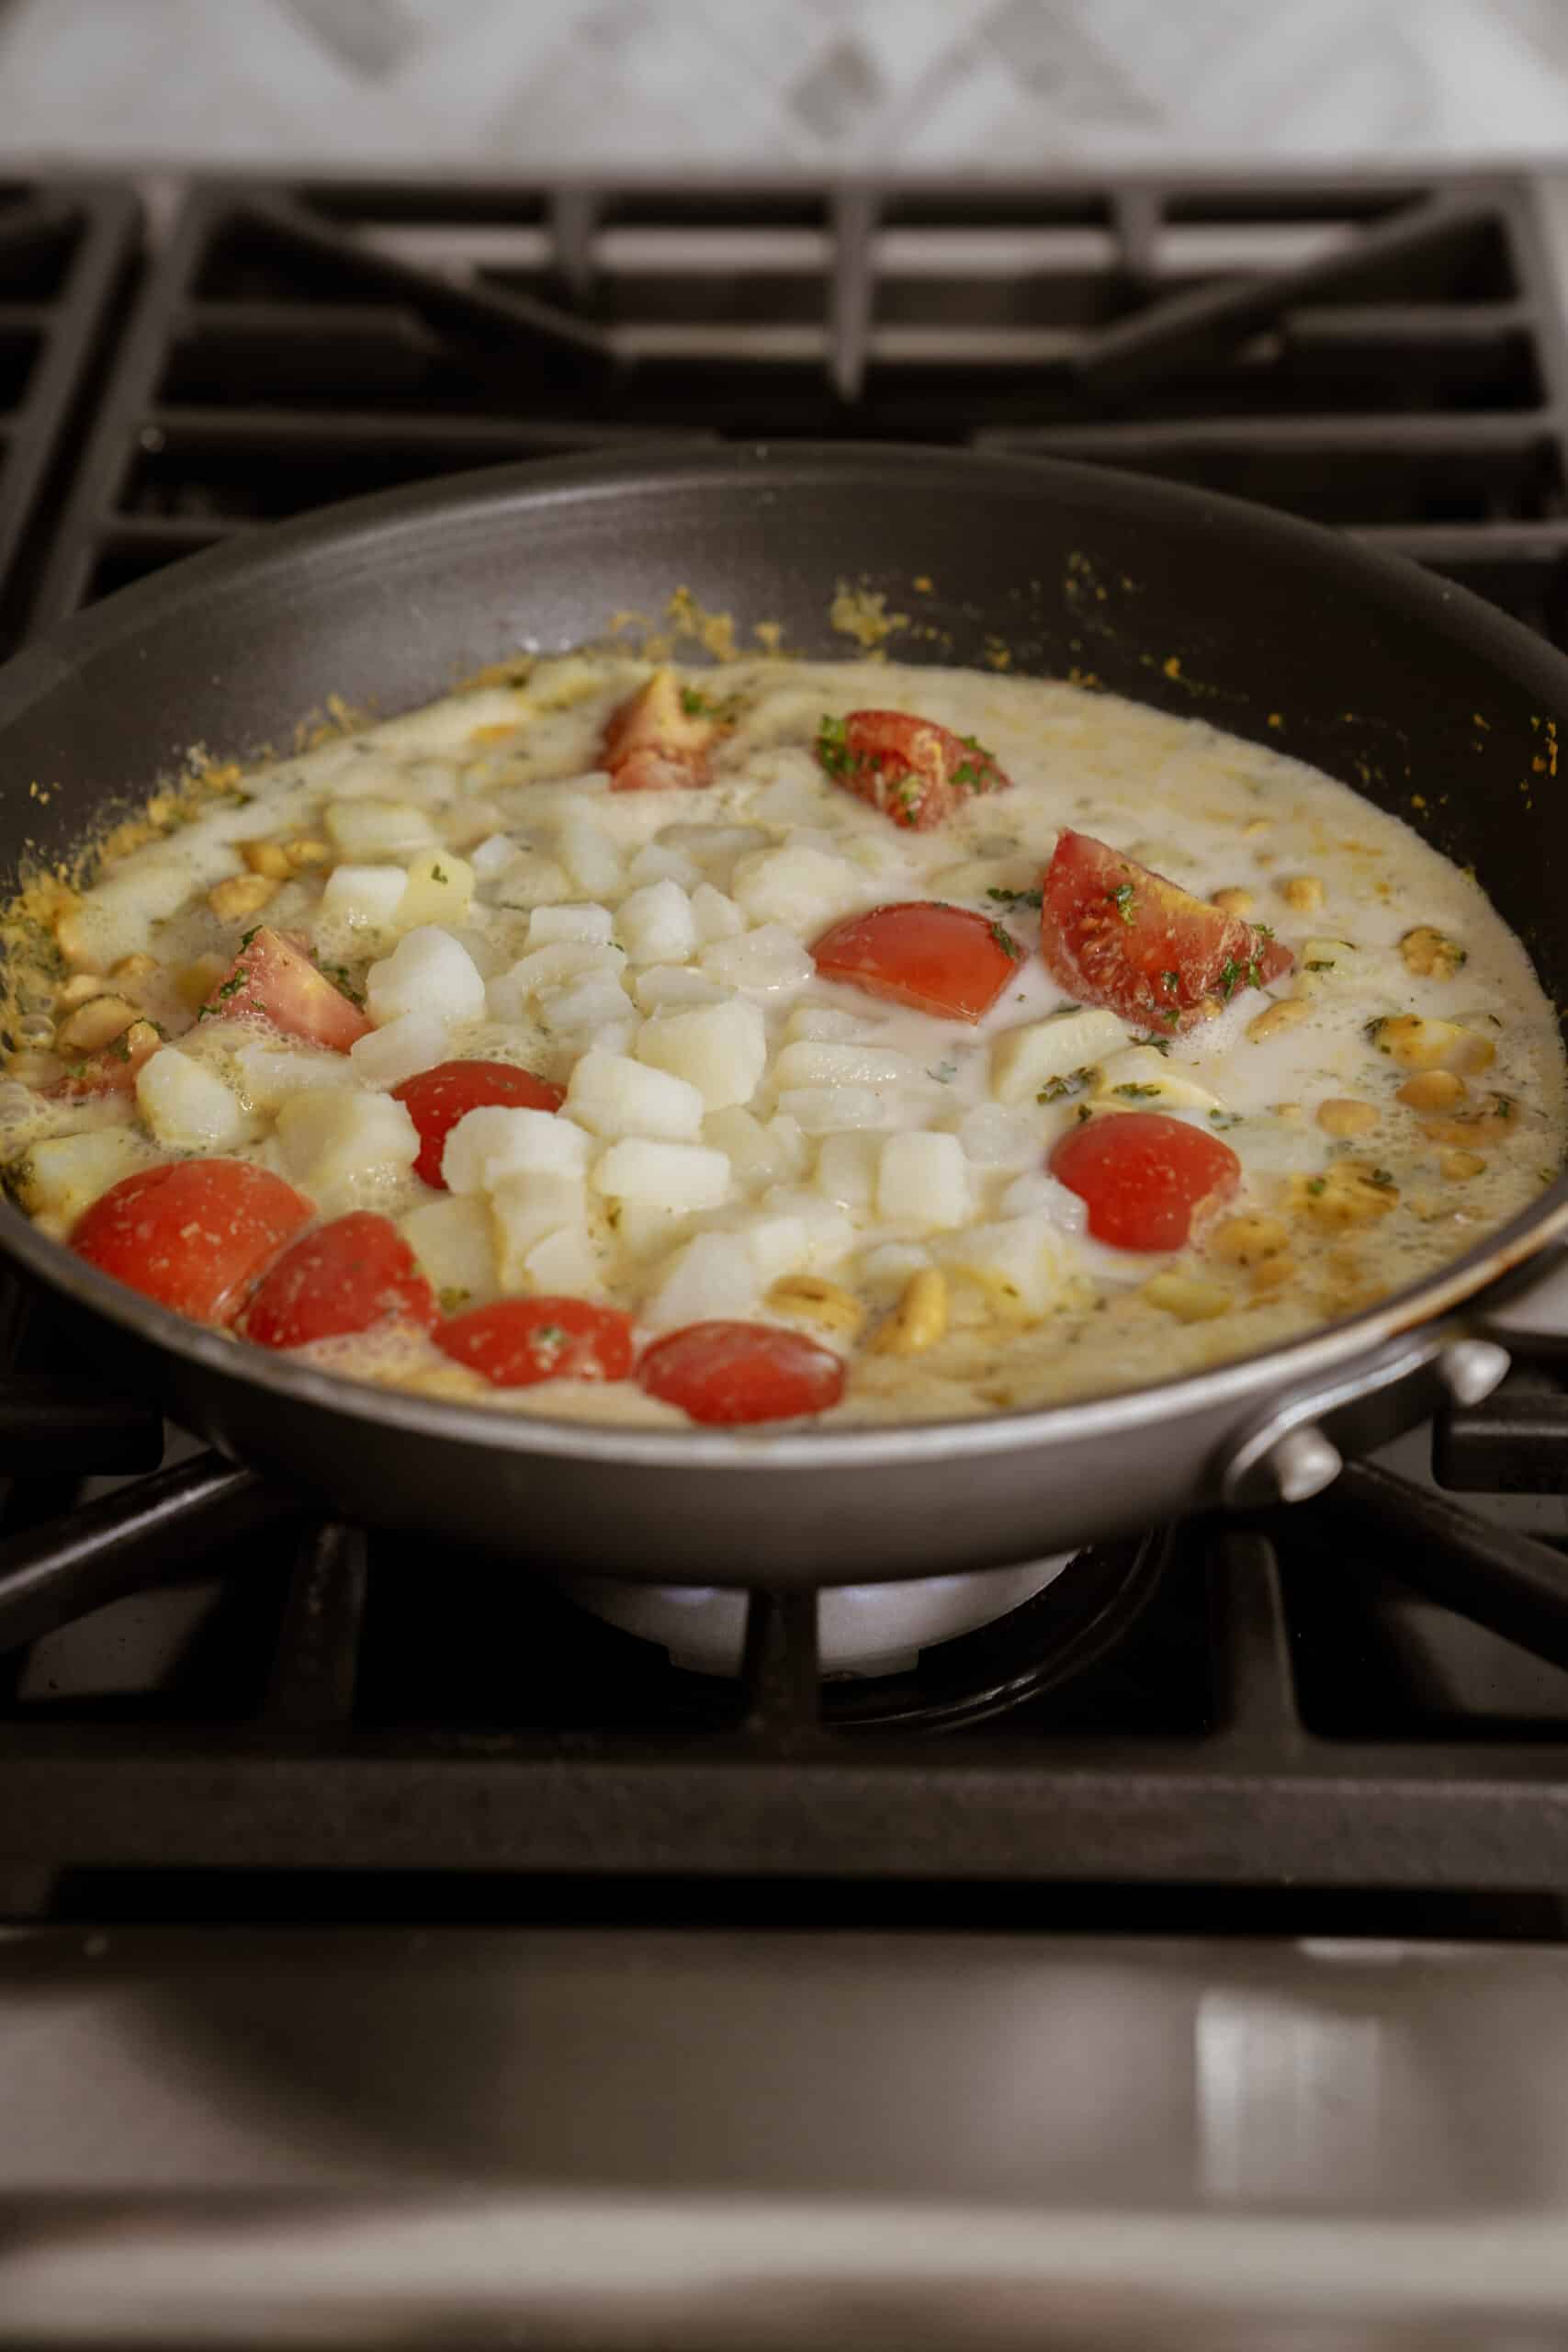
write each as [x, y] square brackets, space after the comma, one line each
[659, 741]
[272, 980]
[192, 1235]
[1116, 934]
[436, 1098]
[1145, 1176]
[519, 1340]
[344, 1276]
[742, 1371]
[914, 770]
[941, 959]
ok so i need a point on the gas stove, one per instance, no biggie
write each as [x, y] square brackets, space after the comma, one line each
[412, 1778]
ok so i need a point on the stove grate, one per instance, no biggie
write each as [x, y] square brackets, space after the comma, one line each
[64, 252]
[1375, 355]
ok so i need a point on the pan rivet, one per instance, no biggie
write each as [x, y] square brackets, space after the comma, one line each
[1471, 1369]
[1303, 1463]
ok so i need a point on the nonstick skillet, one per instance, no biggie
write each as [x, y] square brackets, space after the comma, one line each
[1430, 703]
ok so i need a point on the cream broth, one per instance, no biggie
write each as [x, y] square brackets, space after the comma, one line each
[575, 920]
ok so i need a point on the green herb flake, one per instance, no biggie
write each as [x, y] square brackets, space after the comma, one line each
[1005, 942]
[1381, 1178]
[439, 874]
[945, 1073]
[833, 746]
[1138, 1093]
[1316, 1185]
[1230, 977]
[1015, 897]
[1171, 983]
[453, 1298]
[696, 704]
[1156, 1045]
[1084, 1113]
[1060, 1089]
[1124, 898]
[1223, 1119]
[1323, 964]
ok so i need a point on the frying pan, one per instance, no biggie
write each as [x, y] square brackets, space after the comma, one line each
[1402, 686]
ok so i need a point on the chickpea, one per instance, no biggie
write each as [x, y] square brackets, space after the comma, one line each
[1458, 1167]
[1430, 1044]
[1350, 1193]
[241, 895]
[1232, 902]
[1433, 1089]
[1494, 1121]
[919, 1318]
[1246, 1239]
[267, 857]
[1303, 893]
[1430, 954]
[1187, 1297]
[1285, 1014]
[95, 1024]
[816, 1301]
[1341, 1115]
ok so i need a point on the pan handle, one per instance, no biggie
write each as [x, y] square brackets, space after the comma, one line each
[1292, 1452]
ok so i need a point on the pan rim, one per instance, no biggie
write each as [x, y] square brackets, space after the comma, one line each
[343, 529]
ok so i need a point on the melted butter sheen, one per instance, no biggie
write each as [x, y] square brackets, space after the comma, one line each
[517, 766]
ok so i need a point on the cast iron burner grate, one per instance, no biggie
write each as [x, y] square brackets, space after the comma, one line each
[1382, 356]
[196, 1675]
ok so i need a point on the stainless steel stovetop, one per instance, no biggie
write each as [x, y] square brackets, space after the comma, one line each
[399, 1953]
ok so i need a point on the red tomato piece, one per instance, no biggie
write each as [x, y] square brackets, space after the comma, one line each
[344, 1276]
[941, 959]
[519, 1340]
[1145, 1176]
[436, 1098]
[1114, 933]
[914, 770]
[192, 1235]
[273, 980]
[659, 741]
[112, 1070]
[742, 1371]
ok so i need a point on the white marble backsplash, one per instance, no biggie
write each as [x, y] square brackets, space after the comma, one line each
[527, 87]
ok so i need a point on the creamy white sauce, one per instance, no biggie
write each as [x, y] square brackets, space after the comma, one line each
[507, 778]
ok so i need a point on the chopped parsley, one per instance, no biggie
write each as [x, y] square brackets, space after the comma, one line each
[1504, 1105]
[1323, 964]
[1136, 1094]
[1223, 1119]
[1381, 1178]
[344, 981]
[1084, 1113]
[945, 1073]
[1124, 898]
[453, 1298]
[1058, 1090]
[1230, 977]
[967, 775]
[1015, 897]
[1318, 1185]
[1158, 1044]
[696, 705]
[439, 874]
[551, 1337]
[834, 747]
[1171, 983]
[1005, 942]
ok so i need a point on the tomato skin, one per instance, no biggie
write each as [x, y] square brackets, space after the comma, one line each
[1145, 1176]
[945, 960]
[1115, 934]
[519, 1340]
[655, 743]
[192, 1235]
[912, 770]
[347, 1276]
[273, 980]
[436, 1098]
[730, 1372]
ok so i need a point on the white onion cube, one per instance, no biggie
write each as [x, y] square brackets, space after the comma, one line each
[565, 1263]
[429, 972]
[822, 1023]
[270, 1074]
[614, 1095]
[661, 861]
[655, 925]
[671, 988]
[1026, 1059]
[400, 1049]
[714, 1277]
[812, 1062]
[526, 1208]
[995, 1135]
[716, 916]
[798, 886]
[847, 1169]
[451, 1239]
[722, 1050]
[500, 1140]
[187, 1105]
[685, 1176]
[821, 1110]
[337, 1145]
[60, 1176]
[588, 924]
[440, 889]
[768, 962]
[922, 1179]
[367, 897]
[590, 855]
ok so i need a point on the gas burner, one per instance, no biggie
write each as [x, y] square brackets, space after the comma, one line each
[930, 1655]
